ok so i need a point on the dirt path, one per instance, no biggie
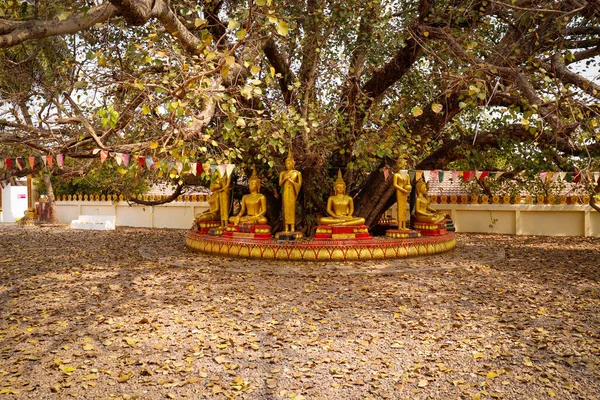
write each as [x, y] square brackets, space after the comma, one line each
[134, 314]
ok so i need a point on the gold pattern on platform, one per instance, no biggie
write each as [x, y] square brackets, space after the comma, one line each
[340, 207]
[373, 249]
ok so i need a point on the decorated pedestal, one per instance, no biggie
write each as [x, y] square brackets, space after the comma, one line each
[257, 232]
[205, 227]
[325, 232]
[402, 233]
[288, 236]
[431, 229]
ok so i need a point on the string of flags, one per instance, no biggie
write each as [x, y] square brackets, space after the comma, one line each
[197, 168]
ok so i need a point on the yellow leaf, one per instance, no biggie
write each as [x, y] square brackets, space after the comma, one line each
[491, 375]
[255, 69]
[425, 33]
[527, 361]
[272, 71]
[233, 24]
[261, 3]
[153, 145]
[478, 355]
[67, 369]
[230, 60]
[283, 28]
[436, 108]
[199, 22]
[130, 341]
[145, 110]
[64, 15]
[422, 383]
[416, 111]
[88, 347]
[241, 34]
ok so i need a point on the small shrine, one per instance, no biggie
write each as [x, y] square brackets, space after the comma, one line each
[340, 235]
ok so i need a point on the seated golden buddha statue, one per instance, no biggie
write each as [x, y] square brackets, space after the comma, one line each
[340, 207]
[423, 212]
[213, 213]
[254, 205]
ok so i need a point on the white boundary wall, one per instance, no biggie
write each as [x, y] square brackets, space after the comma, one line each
[515, 219]
[176, 215]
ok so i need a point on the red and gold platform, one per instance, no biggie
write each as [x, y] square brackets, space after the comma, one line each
[324, 249]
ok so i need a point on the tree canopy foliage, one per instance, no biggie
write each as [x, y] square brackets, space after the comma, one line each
[354, 84]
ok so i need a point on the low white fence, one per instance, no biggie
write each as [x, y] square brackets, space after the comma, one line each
[516, 219]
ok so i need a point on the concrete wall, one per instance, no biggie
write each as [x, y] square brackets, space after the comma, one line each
[515, 219]
[177, 215]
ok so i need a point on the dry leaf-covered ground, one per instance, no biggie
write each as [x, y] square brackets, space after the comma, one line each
[134, 314]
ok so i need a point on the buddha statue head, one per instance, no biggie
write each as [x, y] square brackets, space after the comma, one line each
[254, 182]
[422, 186]
[289, 161]
[339, 186]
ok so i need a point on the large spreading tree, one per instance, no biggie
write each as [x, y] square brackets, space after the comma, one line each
[354, 85]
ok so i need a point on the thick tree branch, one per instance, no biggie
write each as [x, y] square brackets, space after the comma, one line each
[563, 73]
[13, 33]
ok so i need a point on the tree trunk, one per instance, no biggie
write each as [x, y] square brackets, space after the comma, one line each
[53, 219]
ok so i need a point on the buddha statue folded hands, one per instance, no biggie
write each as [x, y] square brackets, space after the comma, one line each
[253, 205]
[423, 212]
[340, 207]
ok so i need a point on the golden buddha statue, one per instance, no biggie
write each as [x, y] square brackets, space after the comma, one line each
[340, 207]
[254, 205]
[291, 182]
[423, 212]
[224, 183]
[402, 185]
[213, 213]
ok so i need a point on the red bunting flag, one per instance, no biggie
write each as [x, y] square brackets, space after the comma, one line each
[31, 162]
[141, 161]
[103, 156]
[198, 169]
[8, 163]
[386, 173]
[483, 175]
[49, 161]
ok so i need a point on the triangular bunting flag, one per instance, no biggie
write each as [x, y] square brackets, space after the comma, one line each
[60, 160]
[119, 158]
[179, 167]
[441, 176]
[20, 163]
[31, 162]
[141, 161]
[569, 177]
[454, 176]
[386, 173]
[103, 156]
[412, 174]
[596, 176]
[576, 176]
[543, 176]
[419, 174]
[49, 160]
[213, 168]
[149, 162]
[96, 151]
[499, 174]
[198, 169]
[8, 163]
[229, 169]
[478, 175]
[222, 169]
[483, 175]
[125, 159]
[562, 176]
[2, 163]
[43, 158]
[193, 168]
[427, 175]
[434, 175]
[404, 173]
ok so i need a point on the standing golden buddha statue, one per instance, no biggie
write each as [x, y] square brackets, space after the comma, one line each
[402, 185]
[224, 183]
[423, 212]
[254, 205]
[340, 207]
[291, 182]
